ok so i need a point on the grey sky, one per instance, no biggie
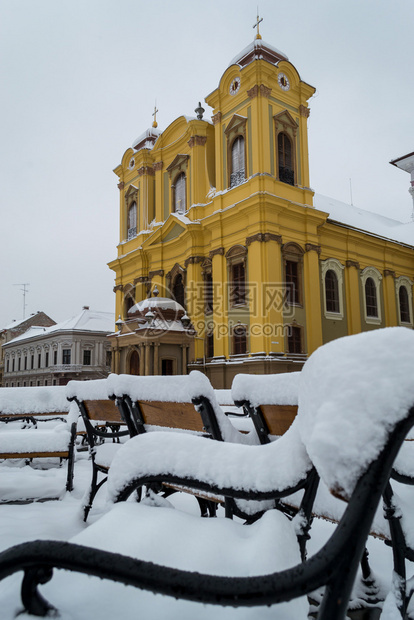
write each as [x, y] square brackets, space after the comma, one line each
[79, 80]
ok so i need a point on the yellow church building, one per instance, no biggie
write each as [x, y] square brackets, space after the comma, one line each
[227, 261]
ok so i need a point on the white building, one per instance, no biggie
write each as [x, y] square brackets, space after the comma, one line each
[77, 348]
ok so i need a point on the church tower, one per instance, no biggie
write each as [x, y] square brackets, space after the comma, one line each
[225, 264]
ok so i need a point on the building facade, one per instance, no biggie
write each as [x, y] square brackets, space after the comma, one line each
[219, 216]
[16, 328]
[74, 349]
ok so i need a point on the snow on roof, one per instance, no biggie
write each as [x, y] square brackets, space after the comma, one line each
[147, 139]
[87, 320]
[367, 221]
[258, 49]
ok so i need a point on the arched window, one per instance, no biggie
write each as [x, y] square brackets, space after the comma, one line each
[132, 221]
[331, 291]
[178, 290]
[404, 305]
[371, 303]
[285, 158]
[179, 193]
[237, 174]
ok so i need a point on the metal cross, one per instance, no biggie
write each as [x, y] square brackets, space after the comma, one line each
[154, 114]
[257, 26]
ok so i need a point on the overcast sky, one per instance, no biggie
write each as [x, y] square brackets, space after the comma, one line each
[79, 79]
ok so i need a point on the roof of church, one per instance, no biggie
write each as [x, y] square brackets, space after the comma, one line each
[367, 221]
[258, 50]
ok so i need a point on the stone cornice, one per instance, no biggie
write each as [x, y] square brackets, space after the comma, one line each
[216, 118]
[263, 238]
[121, 185]
[118, 287]
[158, 165]
[141, 280]
[145, 170]
[312, 247]
[304, 111]
[217, 251]
[197, 140]
[158, 272]
[193, 260]
[264, 91]
[352, 263]
[389, 272]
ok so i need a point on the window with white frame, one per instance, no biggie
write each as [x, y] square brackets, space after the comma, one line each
[404, 293]
[332, 287]
[371, 290]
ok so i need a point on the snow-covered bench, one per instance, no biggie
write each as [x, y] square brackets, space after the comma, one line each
[33, 404]
[103, 419]
[356, 402]
[270, 400]
[30, 405]
[186, 404]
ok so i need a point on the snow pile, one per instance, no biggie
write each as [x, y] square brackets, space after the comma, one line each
[261, 468]
[280, 389]
[96, 389]
[33, 400]
[35, 441]
[352, 393]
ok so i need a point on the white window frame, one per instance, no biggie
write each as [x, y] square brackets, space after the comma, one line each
[372, 272]
[334, 265]
[399, 282]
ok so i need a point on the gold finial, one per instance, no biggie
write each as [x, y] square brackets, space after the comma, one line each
[258, 35]
[155, 124]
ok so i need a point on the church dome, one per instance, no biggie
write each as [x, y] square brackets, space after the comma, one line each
[160, 307]
[258, 50]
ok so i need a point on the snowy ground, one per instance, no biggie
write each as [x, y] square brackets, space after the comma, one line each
[175, 537]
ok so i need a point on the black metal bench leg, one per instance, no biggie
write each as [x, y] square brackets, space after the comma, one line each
[94, 488]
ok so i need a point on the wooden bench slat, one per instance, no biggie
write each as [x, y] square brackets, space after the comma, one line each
[105, 410]
[33, 455]
[171, 415]
[279, 417]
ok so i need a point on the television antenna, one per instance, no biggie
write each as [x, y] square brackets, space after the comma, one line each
[24, 290]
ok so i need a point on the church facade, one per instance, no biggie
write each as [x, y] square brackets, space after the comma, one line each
[219, 217]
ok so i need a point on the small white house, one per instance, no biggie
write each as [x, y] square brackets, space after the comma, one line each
[77, 348]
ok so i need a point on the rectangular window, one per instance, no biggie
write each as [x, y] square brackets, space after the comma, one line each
[18, 363]
[13, 365]
[47, 359]
[87, 358]
[25, 362]
[39, 360]
[292, 281]
[66, 356]
[32, 362]
[295, 339]
[239, 340]
[7, 366]
[210, 345]
[55, 357]
[109, 358]
[238, 285]
[208, 292]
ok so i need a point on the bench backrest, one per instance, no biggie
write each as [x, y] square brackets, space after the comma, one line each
[102, 410]
[170, 415]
